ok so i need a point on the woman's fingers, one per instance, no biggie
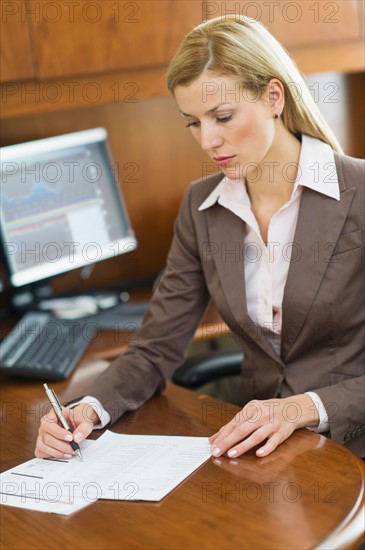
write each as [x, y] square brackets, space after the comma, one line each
[54, 441]
[257, 422]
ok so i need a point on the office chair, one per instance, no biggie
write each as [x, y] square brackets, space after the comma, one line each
[206, 367]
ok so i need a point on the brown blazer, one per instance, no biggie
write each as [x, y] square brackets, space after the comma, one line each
[323, 307]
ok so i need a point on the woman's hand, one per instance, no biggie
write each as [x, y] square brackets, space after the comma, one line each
[54, 441]
[271, 421]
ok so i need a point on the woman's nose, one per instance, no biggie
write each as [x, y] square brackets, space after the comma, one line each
[210, 138]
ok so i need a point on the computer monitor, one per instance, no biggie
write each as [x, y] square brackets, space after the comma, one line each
[61, 206]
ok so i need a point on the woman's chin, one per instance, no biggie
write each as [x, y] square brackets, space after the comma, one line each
[233, 173]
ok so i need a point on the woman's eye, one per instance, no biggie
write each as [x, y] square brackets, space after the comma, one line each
[224, 118]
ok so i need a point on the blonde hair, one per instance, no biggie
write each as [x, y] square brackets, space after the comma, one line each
[241, 46]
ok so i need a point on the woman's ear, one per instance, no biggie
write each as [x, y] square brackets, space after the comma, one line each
[275, 96]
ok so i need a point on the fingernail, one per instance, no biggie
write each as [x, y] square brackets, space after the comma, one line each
[68, 437]
[67, 456]
[260, 452]
[232, 452]
[78, 437]
[216, 451]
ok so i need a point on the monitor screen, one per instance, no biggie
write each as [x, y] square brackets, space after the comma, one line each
[61, 206]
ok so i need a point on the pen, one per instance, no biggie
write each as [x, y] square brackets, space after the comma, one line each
[56, 405]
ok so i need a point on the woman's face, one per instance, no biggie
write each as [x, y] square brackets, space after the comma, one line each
[233, 125]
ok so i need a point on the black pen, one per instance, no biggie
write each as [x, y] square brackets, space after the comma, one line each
[56, 405]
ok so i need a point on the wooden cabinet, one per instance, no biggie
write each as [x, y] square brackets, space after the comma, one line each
[308, 23]
[43, 39]
[16, 60]
[89, 38]
[299, 23]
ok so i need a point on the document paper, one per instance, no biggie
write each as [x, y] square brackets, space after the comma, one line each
[116, 467]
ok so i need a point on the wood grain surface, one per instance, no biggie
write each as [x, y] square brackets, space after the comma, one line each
[308, 494]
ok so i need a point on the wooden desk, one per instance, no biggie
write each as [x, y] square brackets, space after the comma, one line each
[309, 493]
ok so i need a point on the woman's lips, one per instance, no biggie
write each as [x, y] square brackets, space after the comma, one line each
[223, 161]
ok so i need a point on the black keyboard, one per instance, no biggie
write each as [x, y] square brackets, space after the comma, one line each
[42, 346]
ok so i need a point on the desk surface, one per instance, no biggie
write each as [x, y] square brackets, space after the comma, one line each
[309, 491]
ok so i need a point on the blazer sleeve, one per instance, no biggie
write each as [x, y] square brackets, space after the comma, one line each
[176, 308]
[344, 403]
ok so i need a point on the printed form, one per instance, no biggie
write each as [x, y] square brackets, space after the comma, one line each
[116, 467]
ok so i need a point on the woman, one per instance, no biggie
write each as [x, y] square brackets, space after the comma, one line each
[275, 240]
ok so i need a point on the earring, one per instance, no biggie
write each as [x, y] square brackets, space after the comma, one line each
[276, 116]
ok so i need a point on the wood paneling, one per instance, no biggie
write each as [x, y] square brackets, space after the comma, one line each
[355, 115]
[108, 35]
[69, 39]
[343, 57]
[16, 59]
[47, 96]
[303, 22]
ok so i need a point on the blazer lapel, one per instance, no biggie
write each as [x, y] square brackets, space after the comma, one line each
[319, 224]
[226, 233]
